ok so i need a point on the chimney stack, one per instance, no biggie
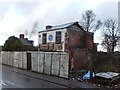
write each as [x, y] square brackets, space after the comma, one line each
[48, 27]
[21, 35]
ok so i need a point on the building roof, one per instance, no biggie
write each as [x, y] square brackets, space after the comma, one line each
[26, 42]
[62, 26]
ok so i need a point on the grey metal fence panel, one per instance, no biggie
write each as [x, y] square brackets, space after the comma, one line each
[64, 65]
[34, 58]
[6, 57]
[24, 60]
[11, 58]
[55, 64]
[2, 55]
[41, 62]
[47, 65]
[20, 63]
[16, 59]
[20, 58]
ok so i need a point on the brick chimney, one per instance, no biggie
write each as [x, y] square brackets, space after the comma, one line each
[21, 35]
[48, 27]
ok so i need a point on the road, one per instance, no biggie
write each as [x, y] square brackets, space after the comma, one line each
[12, 79]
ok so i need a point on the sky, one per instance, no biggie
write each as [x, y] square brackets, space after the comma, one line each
[19, 16]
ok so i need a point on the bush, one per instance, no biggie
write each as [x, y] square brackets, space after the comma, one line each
[14, 44]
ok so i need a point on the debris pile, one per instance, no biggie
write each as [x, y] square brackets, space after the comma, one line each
[82, 75]
[108, 79]
[78, 74]
[102, 79]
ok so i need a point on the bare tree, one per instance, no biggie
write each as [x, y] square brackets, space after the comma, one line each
[110, 34]
[89, 22]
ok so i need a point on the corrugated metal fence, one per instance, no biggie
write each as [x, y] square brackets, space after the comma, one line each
[52, 63]
[15, 59]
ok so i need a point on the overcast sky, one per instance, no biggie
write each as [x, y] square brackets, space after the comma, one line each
[19, 16]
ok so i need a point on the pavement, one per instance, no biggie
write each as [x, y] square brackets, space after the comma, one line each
[65, 83]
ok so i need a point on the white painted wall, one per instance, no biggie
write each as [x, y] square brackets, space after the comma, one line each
[53, 33]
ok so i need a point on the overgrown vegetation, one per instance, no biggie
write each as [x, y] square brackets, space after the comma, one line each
[14, 44]
[105, 62]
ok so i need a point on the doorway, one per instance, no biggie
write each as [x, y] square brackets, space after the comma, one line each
[28, 61]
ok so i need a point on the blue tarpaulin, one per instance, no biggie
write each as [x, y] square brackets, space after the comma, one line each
[87, 76]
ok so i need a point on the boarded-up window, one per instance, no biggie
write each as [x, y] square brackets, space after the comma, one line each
[44, 37]
[58, 37]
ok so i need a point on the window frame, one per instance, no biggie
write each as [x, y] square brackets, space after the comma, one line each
[58, 37]
[44, 38]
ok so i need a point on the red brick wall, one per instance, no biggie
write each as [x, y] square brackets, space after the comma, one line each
[89, 40]
[74, 38]
[80, 57]
[79, 39]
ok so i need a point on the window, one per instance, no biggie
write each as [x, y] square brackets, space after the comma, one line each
[44, 37]
[58, 37]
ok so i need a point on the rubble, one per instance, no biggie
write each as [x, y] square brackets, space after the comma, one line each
[78, 74]
[107, 75]
[102, 79]
[108, 79]
[87, 76]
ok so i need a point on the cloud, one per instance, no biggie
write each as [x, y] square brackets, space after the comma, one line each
[19, 16]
